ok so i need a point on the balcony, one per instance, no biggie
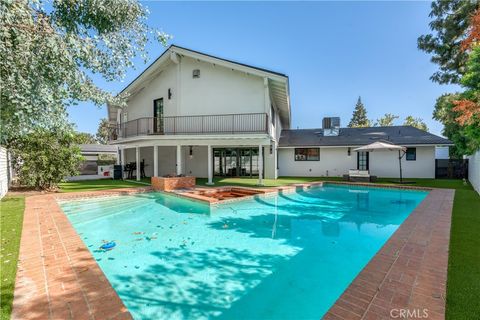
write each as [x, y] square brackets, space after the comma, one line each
[245, 123]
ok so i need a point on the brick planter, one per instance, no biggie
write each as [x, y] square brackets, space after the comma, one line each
[172, 183]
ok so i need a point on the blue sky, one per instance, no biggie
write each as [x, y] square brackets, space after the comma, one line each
[332, 52]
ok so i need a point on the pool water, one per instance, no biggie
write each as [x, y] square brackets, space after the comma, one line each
[285, 256]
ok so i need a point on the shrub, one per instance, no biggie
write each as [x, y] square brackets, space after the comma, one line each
[43, 158]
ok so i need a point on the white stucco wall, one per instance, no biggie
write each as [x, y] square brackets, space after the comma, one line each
[385, 164]
[474, 170]
[336, 162]
[141, 104]
[219, 90]
[333, 162]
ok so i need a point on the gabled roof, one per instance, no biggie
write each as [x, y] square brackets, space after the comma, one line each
[278, 82]
[400, 135]
[190, 52]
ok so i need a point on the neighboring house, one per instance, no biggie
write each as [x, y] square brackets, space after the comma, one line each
[93, 166]
[329, 152]
[195, 114]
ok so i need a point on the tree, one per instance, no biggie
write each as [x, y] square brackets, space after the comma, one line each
[450, 24]
[468, 106]
[415, 122]
[359, 117]
[84, 138]
[103, 131]
[43, 158]
[465, 137]
[49, 54]
[387, 120]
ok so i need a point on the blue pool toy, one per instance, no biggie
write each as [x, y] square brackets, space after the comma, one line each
[108, 245]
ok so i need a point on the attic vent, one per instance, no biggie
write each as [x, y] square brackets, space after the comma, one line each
[196, 73]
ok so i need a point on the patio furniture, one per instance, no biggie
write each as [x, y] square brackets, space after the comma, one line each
[358, 176]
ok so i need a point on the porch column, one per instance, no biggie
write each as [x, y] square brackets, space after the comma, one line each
[210, 165]
[260, 165]
[155, 161]
[137, 159]
[179, 160]
[122, 160]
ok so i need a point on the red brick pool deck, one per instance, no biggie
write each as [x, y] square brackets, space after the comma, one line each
[58, 278]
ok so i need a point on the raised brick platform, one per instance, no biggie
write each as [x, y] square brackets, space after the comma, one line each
[172, 183]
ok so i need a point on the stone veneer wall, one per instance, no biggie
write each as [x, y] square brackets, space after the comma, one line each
[168, 184]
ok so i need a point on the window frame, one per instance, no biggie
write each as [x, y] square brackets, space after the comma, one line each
[306, 154]
[414, 154]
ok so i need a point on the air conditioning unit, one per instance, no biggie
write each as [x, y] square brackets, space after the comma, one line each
[331, 122]
[331, 126]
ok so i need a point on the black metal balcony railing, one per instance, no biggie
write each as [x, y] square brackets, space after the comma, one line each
[204, 124]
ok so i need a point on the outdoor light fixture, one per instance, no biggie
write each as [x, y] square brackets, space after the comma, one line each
[190, 152]
[271, 149]
[169, 93]
[349, 151]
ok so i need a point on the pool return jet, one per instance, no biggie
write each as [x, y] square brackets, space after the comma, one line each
[385, 146]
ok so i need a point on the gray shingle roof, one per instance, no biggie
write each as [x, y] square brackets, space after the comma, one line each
[400, 135]
[98, 148]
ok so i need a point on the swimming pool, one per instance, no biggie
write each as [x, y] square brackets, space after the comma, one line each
[285, 256]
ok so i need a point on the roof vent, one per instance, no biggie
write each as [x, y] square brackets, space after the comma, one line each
[331, 126]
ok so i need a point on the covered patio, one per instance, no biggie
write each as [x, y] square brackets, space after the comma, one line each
[201, 159]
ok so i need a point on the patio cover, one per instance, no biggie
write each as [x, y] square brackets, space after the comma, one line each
[385, 146]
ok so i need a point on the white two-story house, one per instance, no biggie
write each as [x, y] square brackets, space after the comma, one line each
[195, 114]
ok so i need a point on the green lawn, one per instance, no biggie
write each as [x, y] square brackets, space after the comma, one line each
[253, 182]
[102, 184]
[11, 218]
[463, 284]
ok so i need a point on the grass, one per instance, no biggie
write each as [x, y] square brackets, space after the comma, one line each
[253, 182]
[463, 284]
[11, 219]
[102, 184]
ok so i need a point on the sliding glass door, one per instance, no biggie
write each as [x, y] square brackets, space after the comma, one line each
[235, 162]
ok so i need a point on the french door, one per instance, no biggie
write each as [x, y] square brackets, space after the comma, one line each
[158, 115]
[362, 161]
[235, 162]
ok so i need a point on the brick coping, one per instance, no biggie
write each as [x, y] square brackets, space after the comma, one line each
[409, 273]
[58, 278]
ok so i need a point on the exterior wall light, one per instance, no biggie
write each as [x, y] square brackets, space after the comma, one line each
[190, 152]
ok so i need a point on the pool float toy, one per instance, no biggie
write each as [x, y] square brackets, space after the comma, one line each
[108, 245]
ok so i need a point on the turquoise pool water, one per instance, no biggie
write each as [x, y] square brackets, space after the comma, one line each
[287, 256]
